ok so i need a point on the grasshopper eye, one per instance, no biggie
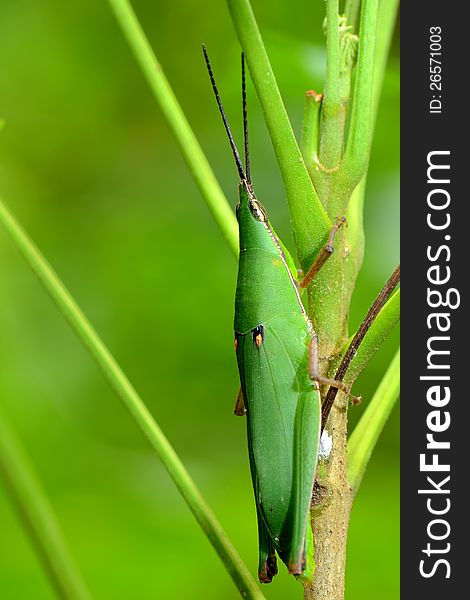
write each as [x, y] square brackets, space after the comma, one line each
[257, 210]
[258, 335]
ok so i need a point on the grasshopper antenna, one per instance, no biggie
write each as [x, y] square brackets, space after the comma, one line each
[241, 172]
[245, 124]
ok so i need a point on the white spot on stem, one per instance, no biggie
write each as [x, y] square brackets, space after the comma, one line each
[326, 444]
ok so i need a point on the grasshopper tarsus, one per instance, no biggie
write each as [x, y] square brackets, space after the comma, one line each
[269, 570]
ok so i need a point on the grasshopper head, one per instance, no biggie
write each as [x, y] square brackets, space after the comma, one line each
[252, 219]
[248, 205]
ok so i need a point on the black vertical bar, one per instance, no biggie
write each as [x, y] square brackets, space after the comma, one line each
[435, 398]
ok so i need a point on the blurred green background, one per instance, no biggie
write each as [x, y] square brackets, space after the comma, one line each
[90, 168]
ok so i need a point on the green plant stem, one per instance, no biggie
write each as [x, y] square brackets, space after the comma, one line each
[310, 129]
[333, 111]
[367, 431]
[126, 392]
[387, 17]
[366, 341]
[351, 10]
[356, 156]
[192, 152]
[331, 522]
[354, 233]
[38, 518]
[310, 223]
[379, 331]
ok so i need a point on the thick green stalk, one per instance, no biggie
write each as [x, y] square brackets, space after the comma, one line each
[331, 518]
[367, 431]
[38, 518]
[126, 392]
[310, 223]
[192, 152]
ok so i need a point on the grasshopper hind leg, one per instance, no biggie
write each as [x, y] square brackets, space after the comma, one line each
[306, 441]
[267, 566]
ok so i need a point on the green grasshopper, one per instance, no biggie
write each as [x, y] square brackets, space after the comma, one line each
[277, 354]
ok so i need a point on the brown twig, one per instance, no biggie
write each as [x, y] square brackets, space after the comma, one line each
[374, 310]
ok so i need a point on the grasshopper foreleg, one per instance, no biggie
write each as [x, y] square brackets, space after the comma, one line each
[323, 255]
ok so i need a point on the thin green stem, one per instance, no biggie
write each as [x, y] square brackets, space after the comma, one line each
[333, 111]
[38, 518]
[360, 131]
[387, 17]
[192, 152]
[331, 91]
[382, 316]
[126, 392]
[351, 10]
[354, 233]
[310, 223]
[379, 331]
[311, 129]
[367, 431]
